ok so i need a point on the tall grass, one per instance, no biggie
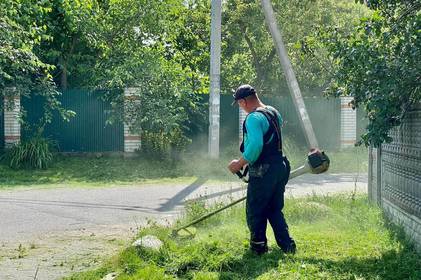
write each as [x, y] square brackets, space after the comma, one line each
[33, 153]
[339, 237]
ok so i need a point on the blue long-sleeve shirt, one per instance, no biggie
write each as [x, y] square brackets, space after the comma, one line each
[256, 126]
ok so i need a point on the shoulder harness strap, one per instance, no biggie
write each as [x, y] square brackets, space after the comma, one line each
[272, 118]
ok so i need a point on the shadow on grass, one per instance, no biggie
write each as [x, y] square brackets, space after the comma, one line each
[392, 264]
[251, 266]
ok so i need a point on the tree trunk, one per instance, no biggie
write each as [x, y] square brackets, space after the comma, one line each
[63, 74]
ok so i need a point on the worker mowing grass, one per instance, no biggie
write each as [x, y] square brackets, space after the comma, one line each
[269, 171]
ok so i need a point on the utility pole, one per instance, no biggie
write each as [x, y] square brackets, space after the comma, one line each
[289, 74]
[215, 70]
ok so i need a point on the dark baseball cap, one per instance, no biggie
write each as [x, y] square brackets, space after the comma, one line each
[242, 92]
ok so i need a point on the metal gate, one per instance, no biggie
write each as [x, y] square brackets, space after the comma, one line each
[88, 131]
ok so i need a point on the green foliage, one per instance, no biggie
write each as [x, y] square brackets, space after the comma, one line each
[353, 241]
[33, 153]
[162, 113]
[160, 60]
[154, 145]
[377, 63]
[20, 68]
[69, 26]
[22, 71]
[249, 52]
[163, 146]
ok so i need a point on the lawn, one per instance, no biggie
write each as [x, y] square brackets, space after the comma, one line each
[338, 237]
[112, 171]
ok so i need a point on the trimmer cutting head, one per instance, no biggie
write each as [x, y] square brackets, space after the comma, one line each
[187, 232]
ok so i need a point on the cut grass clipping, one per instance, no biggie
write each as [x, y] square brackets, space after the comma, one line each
[338, 237]
[79, 171]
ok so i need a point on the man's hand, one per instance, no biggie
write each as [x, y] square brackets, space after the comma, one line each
[236, 165]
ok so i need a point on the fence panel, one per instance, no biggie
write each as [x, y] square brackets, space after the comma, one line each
[1, 123]
[228, 122]
[398, 177]
[325, 116]
[401, 165]
[87, 131]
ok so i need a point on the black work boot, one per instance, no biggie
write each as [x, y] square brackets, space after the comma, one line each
[259, 247]
[291, 248]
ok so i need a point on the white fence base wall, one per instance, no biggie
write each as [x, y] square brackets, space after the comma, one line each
[410, 223]
[348, 123]
[132, 141]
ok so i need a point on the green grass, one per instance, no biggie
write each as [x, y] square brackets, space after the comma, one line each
[338, 237]
[112, 171]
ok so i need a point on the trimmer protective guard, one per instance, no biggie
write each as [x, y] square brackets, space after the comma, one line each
[319, 162]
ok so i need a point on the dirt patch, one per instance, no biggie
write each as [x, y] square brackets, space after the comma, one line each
[57, 255]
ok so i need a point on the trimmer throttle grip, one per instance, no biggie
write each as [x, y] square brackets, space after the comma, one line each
[243, 175]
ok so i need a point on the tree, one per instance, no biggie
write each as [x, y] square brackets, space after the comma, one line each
[69, 24]
[22, 72]
[162, 55]
[377, 63]
[249, 53]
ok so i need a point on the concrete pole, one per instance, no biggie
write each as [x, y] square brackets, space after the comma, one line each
[215, 65]
[290, 75]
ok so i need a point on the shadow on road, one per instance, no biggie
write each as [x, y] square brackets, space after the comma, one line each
[76, 204]
[181, 195]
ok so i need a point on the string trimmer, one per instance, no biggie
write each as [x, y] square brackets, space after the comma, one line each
[317, 162]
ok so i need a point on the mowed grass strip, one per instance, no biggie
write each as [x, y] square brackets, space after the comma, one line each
[70, 171]
[338, 237]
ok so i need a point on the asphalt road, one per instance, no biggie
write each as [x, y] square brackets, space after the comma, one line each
[28, 213]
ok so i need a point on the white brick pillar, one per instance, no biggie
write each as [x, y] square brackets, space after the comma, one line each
[11, 121]
[348, 123]
[132, 140]
[242, 116]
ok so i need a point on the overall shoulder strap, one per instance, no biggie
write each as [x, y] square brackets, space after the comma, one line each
[273, 120]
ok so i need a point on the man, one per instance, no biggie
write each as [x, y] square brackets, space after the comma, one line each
[268, 171]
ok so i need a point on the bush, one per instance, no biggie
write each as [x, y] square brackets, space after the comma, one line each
[33, 153]
[154, 145]
[163, 146]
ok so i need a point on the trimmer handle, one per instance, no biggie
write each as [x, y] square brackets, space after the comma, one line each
[243, 175]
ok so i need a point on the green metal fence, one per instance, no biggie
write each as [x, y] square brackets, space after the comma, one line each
[1, 125]
[325, 116]
[87, 131]
[324, 113]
